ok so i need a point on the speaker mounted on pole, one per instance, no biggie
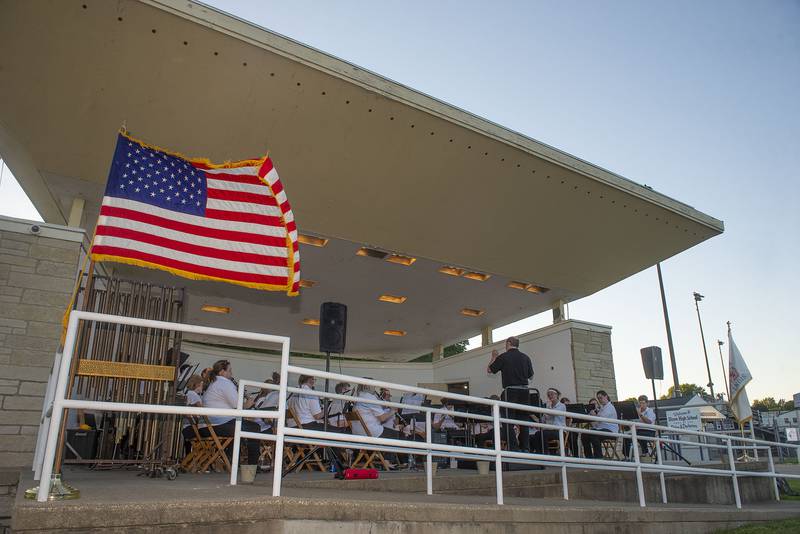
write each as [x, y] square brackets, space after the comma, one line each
[651, 362]
[332, 327]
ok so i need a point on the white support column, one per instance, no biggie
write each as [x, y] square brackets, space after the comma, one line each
[76, 212]
[438, 352]
[486, 336]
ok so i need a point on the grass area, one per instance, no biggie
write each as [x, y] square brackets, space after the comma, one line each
[795, 485]
[787, 526]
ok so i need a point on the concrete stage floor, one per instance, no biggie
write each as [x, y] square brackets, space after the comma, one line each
[121, 501]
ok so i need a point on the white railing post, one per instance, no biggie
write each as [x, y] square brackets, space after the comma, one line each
[732, 461]
[429, 458]
[498, 459]
[237, 437]
[563, 452]
[753, 436]
[44, 424]
[661, 472]
[277, 463]
[58, 410]
[772, 470]
[639, 481]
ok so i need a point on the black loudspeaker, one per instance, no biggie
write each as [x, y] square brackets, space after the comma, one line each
[332, 327]
[651, 361]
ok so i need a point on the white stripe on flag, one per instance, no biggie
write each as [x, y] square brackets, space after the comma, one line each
[205, 261]
[236, 186]
[218, 224]
[253, 171]
[220, 244]
[242, 207]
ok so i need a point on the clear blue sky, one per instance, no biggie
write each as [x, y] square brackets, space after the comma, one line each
[697, 99]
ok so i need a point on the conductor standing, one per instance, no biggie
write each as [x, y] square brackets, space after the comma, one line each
[516, 370]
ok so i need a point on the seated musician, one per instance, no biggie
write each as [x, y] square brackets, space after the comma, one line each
[439, 422]
[337, 407]
[267, 399]
[194, 390]
[373, 415]
[221, 392]
[542, 436]
[592, 443]
[646, 415]
[308, 408]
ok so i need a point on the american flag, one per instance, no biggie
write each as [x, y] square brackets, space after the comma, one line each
[229, 222]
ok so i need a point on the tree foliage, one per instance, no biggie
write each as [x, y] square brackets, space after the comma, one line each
[687, 390]
[769, 404]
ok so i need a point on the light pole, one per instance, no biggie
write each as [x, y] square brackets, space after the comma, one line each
[697, 298]
[676, 390]
[722, 363]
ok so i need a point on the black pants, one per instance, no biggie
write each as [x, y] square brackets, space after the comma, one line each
[592, 444]
[540, 439]
[517, 396]
[228, 429]
[644, 445]
[481, 439]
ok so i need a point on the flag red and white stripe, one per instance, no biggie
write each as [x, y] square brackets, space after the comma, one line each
[247, 235]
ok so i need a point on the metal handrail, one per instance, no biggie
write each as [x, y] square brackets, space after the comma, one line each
[299, 435]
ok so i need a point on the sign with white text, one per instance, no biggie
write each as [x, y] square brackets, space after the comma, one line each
[685, 419]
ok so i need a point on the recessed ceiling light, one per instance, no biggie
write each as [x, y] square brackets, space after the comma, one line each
[480, 277]
[452, 271]
[311, 322]
[307, 283]
[394, 299]
[537, 289]
[399, 333]
[518, 285]
[402, 260]
[371, 253]
[312, 240]
[471, 312]
[215, 309]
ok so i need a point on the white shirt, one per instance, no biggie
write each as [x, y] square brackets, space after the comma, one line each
[192, 398]
[221, 393]
[447, 422]
[336, 409]
[558, 420]
[650, 414]
[610, 412]
[270, 400]
[305, 407]
[369, 413]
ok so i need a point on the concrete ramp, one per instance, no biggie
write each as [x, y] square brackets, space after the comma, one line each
[121, 502]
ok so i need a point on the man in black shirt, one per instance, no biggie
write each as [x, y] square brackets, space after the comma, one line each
[516, 370]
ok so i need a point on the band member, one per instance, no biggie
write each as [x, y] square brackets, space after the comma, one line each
[592, 443]
[516, 370]
[338, 407]
[267, 399]
[308, 408]
[194, 391]
[646, 415]
[373, 415]
[223, 393]
[541, 437]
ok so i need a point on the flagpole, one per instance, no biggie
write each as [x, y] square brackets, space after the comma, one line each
[676, 390]
[724, 372]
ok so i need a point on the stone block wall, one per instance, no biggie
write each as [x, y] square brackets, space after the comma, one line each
[593, 362]
[37, 274]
